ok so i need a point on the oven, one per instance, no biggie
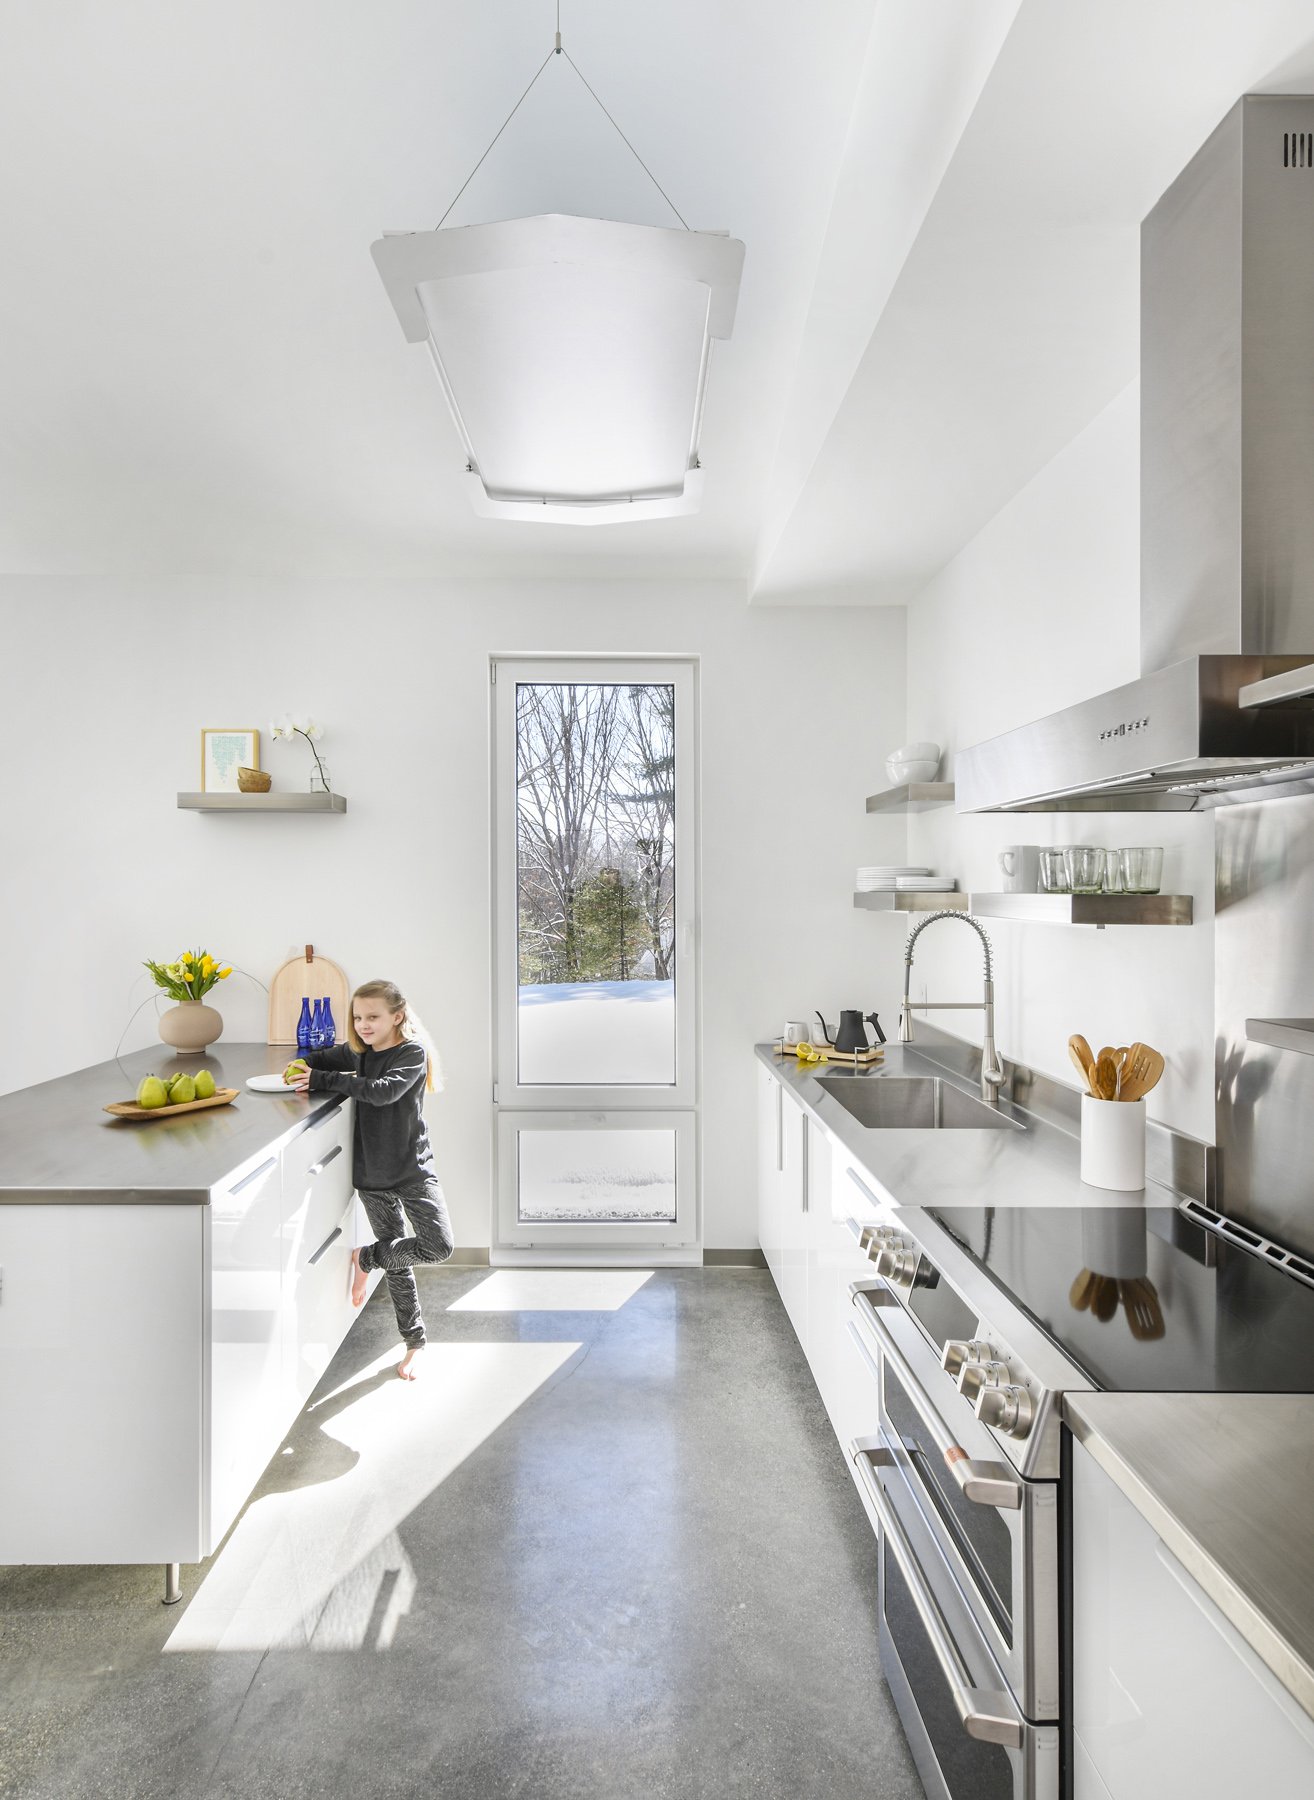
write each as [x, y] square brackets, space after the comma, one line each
[968, 1565]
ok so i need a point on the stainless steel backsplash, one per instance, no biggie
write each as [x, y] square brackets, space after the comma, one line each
[1264, 957]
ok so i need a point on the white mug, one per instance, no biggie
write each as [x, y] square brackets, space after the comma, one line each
[796, 1032]
[1021, 866]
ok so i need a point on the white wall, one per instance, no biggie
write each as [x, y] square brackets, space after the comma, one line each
[105, 685]
[1042, 609]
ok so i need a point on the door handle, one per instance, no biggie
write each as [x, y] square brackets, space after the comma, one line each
[985, 1713]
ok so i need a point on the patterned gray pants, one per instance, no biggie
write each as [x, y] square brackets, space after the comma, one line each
[431, 1242]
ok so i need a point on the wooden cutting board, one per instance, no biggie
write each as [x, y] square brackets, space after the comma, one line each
[308, 976]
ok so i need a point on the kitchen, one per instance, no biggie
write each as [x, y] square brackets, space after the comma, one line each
[1024, 597]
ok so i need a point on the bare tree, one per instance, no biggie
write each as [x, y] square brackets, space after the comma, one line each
[647, 766]
[567, 742]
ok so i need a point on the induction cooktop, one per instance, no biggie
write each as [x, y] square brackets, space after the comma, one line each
[1147, 1299]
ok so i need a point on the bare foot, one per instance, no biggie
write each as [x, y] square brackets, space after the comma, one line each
[360, 1280]
[406, 1367]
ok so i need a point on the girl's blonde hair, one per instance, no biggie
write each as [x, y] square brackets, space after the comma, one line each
[412, 1027]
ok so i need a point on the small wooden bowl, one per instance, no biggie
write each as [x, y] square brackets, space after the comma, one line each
[253, 781]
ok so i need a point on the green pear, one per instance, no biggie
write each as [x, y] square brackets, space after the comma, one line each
[294, 1068]
[151, 1092]
[204, 1085]
[182, 1091]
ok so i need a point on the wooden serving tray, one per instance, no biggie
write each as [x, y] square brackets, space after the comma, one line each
[859, 1058]
[129, 1109]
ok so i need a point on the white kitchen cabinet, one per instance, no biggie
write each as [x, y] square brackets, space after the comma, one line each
[101, 1378]
[770, 1133]
[1168, 1697]
[153, 1354]
[796, 1140]
[843, 1378]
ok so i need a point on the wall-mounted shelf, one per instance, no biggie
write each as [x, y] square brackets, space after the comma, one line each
[1085, 909]
[1284, 1034]
[893, 900]
[271, 802]
[912, 796]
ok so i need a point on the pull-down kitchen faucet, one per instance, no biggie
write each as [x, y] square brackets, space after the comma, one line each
[992, 1069]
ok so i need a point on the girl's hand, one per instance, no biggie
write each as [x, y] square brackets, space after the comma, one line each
[294, 1071]
[300, 1082]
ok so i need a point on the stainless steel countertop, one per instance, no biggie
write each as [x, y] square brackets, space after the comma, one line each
[1036, 1166]
[1225, 1480]
[57, 1147]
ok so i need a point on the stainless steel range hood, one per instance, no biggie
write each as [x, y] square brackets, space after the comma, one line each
[1221, 710]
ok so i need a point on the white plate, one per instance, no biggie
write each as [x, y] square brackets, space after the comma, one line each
[893, 869]
[925, 884]
[268, 1084]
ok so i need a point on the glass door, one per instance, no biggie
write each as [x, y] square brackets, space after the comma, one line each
[595, 1090]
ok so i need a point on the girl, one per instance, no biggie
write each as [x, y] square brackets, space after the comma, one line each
[385, 1067]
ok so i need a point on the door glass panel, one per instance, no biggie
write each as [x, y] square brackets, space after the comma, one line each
[595, 886]
[971, 1770]
[979, 1533]
[596, 1176]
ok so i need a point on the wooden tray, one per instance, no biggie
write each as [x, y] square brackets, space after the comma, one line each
[859, 1058]
[306, 977]
[129, 1109]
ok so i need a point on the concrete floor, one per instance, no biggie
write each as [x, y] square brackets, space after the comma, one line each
[597, 1552]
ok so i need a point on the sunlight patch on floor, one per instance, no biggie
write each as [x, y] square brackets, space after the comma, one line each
[317, 1562]
[553, 1290]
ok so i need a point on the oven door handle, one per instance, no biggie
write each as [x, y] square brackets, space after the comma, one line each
[985, 1483]
[985, 1712]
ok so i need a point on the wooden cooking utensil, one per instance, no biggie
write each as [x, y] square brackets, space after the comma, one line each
[1079, 1051]
[1141, 1304]
[1079, 1294]
[1104, 1082]
[1104, 1301]
[1141, 1071]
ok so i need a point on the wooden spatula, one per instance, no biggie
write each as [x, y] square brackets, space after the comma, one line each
[1140, 1071]
[1079, 1051]
[1104, 1082]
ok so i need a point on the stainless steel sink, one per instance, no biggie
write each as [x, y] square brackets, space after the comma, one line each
[913, 1103]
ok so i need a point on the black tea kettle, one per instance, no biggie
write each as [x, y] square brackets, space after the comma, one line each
[852, 1032]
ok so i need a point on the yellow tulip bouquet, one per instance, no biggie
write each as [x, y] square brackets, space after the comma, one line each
[194, 974]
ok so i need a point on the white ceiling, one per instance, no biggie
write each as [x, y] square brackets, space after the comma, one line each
[200, 371]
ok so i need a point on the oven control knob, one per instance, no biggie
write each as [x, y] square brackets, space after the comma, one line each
[1007, 1409]
[975, 1376]
[897, 1262]
[875, 1238]
[958, 1351]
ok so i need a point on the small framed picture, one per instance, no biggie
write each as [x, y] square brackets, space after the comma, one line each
[224, 751]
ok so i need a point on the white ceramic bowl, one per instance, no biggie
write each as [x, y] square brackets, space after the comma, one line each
[924, 751]
[901, 772]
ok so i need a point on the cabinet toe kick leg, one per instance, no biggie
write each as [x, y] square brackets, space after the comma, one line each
[172, 1585]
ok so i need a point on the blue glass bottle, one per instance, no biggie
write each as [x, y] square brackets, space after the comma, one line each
[330, 1026]
[305, 1040]
[317, 1026]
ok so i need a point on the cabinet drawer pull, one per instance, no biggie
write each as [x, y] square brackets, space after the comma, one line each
[245, 1182]
[986, 1715]
[335, 1233]
[319, 1167]
[862, 1187]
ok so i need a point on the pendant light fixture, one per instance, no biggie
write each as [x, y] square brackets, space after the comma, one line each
[573, 352]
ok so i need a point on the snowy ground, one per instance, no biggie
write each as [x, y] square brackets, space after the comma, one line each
[597, 1033]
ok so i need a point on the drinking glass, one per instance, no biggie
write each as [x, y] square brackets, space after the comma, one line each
[1053, 872]
[1142, 868]
[1113, 872]
[1085, 866]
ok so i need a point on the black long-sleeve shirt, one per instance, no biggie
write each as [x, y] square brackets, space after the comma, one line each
[391, 1141]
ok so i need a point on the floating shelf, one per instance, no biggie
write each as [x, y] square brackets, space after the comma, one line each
[910, 900]
[1285, 1034]
[912, 796]
[271, 802]
[1086, 909]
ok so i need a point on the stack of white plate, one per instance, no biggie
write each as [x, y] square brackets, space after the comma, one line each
[885, 875]
[926, 884]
